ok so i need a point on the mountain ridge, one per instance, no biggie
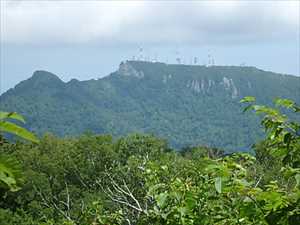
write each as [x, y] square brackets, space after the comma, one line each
[188, 105]
[37, 72]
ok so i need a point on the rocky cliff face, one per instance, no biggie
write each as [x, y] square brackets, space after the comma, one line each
[126, 69]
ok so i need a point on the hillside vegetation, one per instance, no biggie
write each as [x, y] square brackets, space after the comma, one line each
[186, 105]
[140, 180]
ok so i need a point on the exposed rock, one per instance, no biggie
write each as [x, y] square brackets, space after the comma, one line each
[226, 82]
[230, 86]
[126, 69]
[202, 85]
[234, 91]
[211, 83]
[195, 85]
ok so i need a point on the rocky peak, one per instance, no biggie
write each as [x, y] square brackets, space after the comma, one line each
[44, 76]
[126, 69]
[41, 80]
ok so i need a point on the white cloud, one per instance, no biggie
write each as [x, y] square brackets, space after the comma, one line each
[160, 22]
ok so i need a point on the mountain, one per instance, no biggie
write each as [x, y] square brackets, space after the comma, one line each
[186, 104]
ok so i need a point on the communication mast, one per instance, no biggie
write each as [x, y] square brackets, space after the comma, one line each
[195, 60]
[141, 54]
[178, 59]
[212, 61]
[209, 60]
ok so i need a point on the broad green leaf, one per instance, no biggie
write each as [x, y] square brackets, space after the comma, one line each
[12, 128]
[161, 199]
[247, 99]
[11, 115]
[190, 200]
[284, 102]
[10, 172]
[248, 108]
[297, 177]
[183, 211]
[218, 184]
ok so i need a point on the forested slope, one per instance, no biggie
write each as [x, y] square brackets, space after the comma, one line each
[187, 105]
[140, 180]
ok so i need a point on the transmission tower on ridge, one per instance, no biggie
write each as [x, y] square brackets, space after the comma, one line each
[141, 54]
[195, 60]
[178, 59]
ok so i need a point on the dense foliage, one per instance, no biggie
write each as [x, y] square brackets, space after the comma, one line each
[10, 172]
[138, 179]
[186, 105]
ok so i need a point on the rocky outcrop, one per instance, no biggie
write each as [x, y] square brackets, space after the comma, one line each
[230, 86]
[126, 69]
[206, 86]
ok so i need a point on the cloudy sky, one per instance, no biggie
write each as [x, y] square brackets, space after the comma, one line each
[88, 39]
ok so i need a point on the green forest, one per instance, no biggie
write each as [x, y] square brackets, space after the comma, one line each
[188, 105]
[139, 179]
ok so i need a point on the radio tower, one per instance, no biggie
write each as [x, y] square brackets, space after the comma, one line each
[195, 60]
[141, 54]
[178, 59]
[209, 60]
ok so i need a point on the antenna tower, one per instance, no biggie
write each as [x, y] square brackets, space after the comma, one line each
[178, 59]
[195, 60]
[141, 54]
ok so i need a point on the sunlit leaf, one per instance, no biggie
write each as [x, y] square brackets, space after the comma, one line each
[284, 102]
[11, 115]
[247, 99]
[218, 184]
[161, 199]
[12, 128]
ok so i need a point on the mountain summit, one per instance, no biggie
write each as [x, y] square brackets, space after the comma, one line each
[186, 104]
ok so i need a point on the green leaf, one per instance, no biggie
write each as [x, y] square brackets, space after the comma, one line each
[190, 200]
[161, 199]
[183, 211]
[297, 177]
[248, 108]
[284, 102]
[218, 184]
[11, 115]
[12, 128]
[247, 99]
[10, 173]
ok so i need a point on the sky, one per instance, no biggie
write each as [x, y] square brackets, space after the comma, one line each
[88, 39]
